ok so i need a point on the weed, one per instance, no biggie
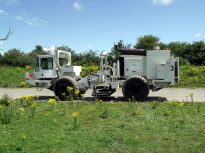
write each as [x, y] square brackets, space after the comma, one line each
[5, 100]
[104, 114]
[51, 102]
[75, 115]
[70, 93]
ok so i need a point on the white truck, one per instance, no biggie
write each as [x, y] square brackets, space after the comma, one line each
[137, 71]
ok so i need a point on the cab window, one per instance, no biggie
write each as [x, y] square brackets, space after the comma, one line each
[46, 63]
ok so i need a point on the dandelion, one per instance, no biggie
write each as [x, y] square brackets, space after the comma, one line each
[77, 92]
[32, 109]
[27, 98]
[23, 137]
[18, 68]
[75, 114]
[34, 105]
[180, 104]
[21, 110]
[1, 106]
[69, 88]
[23, 84]
[191, 95]
[9, 102]
[70, 93]
[51, 101]
[28, 67]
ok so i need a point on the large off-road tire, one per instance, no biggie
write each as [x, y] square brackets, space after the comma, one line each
[60, 87]
[135, 87]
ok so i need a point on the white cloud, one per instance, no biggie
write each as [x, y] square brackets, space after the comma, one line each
[19, 18]
[11, 2]
[77, 6]
[198, 35]
[2, 12]
[162, 2]
[33, 21]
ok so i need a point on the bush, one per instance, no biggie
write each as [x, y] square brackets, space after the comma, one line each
[15, 57]
[87, 70]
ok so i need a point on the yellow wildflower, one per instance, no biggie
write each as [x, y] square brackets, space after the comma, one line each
[21, 109]
[191, 94]
[27, 98]
[75, 114]
[9, 101]
[28, 67]
[23, 84]
[77, 92]
[34, 105]
[18, 68]
[1, 106]
[180, 104]
[51, 101]
[70, 88]
[23, 137]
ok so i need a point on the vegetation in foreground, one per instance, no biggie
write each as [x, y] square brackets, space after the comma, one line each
[52, 126]
[190, 76]
[13, 76]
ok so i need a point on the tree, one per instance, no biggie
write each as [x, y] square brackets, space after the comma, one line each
[37, 51]
[88, 58]
[163, 46]
[114, 55]
[7, 35]
[195, 53]
[178, 48]
[15, 57]
[147, 42]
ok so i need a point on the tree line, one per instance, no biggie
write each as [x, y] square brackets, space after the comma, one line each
[16, 57]
[189, 53]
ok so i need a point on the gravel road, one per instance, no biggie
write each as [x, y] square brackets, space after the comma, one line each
[167, 94]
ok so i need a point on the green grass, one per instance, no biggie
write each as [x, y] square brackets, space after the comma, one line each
[190, 76]
[12, 77]
[126, 127]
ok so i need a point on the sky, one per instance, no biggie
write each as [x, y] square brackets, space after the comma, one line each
[96, 24]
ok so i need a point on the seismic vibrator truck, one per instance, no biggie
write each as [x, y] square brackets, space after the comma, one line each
[136, 72]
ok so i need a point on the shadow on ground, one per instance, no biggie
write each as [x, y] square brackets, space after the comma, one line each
[112, 99]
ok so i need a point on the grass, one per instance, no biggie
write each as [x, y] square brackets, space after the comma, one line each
[127, 127]
[190, 76]
[13, 77]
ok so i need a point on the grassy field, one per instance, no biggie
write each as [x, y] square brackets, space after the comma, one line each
[190, 76]
[51, 127]
[13, 76]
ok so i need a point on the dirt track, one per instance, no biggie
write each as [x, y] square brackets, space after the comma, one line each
[179, 94]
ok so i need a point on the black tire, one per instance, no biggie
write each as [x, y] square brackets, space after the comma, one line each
[60, 87]
[135, 86]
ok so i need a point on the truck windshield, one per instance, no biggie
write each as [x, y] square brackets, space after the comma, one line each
[46, 63]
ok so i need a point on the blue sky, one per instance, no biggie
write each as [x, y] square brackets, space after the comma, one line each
[97, 24]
